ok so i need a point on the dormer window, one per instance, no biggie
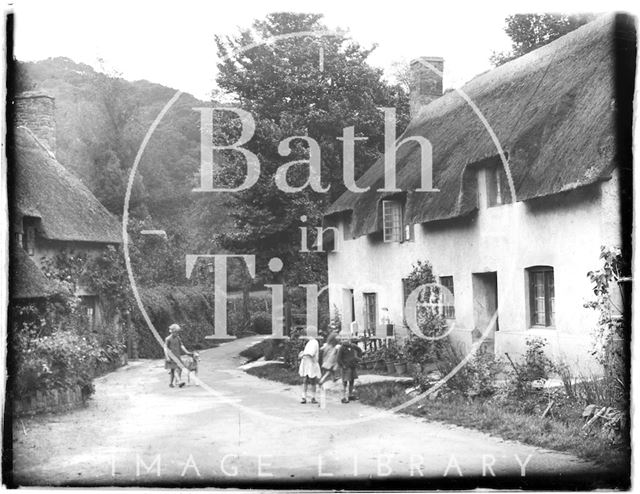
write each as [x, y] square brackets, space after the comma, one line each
[29, 235]
[494, 178]
[394, 228]
[392, 221]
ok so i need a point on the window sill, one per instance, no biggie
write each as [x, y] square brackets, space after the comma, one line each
[542, 327]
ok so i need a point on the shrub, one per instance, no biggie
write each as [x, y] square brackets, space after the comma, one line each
[590, 389]
[261, 323]
[477, 378]
[61, 360]
[269, 349]
[535, 366]
[391, 353]
[421, 351]
[254, 352]
[611, 287]
[52, 345]
[292, 348]
[190, 307]
[536, 363]
[274, 349]
[421, 274]
[275, 372]
[336, 319]
[374, 355]
[430, 322]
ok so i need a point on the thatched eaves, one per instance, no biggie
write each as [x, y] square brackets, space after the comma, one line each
[27, 280]
[45, 189]
[552, 111]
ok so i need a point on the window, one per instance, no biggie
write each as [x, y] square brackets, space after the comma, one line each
[393, 227]
[29, 239]
[495, 195]
[370, 313]
[448, 308]
[408, 233]
[541, 296]
[392, 221]
[89, 306]
[29, 224]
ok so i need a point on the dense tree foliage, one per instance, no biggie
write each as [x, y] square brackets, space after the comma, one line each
[299, 85]
[311, 86]
[101, 121]
[531, 31]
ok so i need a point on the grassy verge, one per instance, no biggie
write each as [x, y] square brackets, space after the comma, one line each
[498, 420]
[551, 433]
[275, 372]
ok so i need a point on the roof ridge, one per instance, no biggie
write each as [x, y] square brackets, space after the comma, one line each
[516, 67]
[551, 109]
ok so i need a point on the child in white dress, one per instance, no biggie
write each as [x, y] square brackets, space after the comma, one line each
[309, 369]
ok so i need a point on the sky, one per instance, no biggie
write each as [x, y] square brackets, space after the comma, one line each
[172, 43]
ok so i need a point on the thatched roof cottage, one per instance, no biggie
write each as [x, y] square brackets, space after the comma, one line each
[522, 250]
[51, 210]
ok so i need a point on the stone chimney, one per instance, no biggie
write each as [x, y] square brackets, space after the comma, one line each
[425, 84]
[36, 111]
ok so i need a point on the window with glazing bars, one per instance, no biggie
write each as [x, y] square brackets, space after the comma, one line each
[392, 221]
[448, 308]
[541, 296]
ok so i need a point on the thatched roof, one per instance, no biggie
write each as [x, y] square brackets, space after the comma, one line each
[45, 189]
[552, 110]
[27, 280]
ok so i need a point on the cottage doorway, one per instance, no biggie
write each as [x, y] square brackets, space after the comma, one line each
[348, 307]
[485, 304]
[370, 313]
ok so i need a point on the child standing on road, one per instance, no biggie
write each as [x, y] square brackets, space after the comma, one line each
[329, 358]
[348, 357]
[309, 369]
[173, 347]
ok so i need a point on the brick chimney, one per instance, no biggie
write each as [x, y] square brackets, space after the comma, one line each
[36, 111]
[425, 84]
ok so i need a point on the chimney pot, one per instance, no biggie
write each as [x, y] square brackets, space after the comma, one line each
[425, 84]
[36, 111]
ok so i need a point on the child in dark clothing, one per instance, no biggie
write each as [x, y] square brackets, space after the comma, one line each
[348, 357]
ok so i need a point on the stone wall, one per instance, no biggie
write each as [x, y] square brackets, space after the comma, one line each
[55, 400]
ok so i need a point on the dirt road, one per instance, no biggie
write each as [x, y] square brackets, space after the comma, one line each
[137, 430]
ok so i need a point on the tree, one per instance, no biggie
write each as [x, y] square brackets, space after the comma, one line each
[610, 285]
[531, 31]
[22, 80]
[113, 150]
[312, 86]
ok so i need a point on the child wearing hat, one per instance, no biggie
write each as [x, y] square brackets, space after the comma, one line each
[173, 347]
[348, 357]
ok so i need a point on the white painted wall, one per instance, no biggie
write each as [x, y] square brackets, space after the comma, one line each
[565, 231]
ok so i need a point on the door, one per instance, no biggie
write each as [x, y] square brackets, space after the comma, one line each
[348, 308]
[370, 313]
[353, 305]
[485, 305]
